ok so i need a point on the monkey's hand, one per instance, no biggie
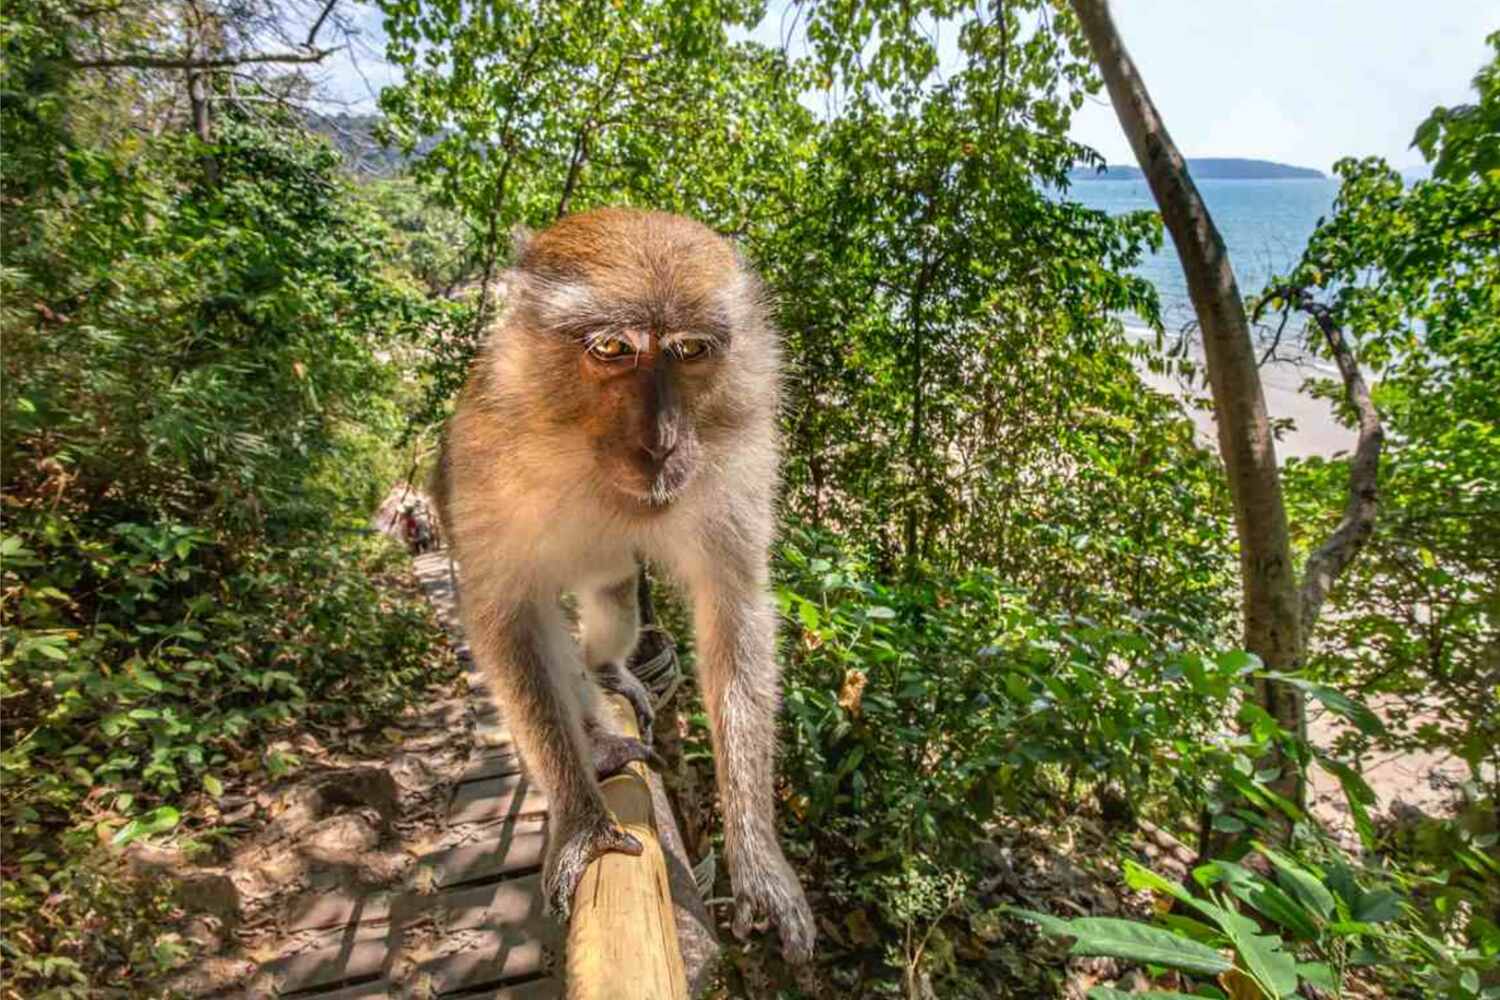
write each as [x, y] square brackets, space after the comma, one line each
[573, 844]
[612, 752]
[766, 889]
[615, 677]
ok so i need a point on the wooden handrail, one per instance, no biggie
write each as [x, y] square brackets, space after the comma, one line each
[622, 938]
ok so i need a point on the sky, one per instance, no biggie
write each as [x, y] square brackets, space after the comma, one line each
[1304, 82]
[1298, 81]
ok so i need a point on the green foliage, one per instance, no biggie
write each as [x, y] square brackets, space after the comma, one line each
[925, 703]
[535, 109]
[201, 392]
[1464, 141]
[1412, 275]
[916, 713]
[1296, 922]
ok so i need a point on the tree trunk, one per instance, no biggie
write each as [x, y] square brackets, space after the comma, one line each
[914, 446]
[202, 123]
[1269, 595]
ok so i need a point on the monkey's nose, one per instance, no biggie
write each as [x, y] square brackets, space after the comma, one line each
[659, 453]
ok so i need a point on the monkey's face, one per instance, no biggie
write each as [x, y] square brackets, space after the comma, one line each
[641, 422]
[653, 345]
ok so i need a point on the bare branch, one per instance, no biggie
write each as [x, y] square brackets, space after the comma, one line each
[151, 60]
[1329, 560]
[1275, 341]
[312, 33]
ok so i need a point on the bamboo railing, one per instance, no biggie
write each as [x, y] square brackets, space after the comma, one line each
[623, 940]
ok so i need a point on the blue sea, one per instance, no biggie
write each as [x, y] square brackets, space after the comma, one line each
[1265, 224]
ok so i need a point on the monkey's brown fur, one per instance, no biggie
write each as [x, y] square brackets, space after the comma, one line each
[625, 406]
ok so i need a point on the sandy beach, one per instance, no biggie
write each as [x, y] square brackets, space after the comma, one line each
[1315, 431]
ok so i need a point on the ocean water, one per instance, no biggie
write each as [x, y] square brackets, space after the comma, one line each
[1265, 224]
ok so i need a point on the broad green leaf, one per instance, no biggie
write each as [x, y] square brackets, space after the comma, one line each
[1266, 898]
[1336, 701]
[1130, 940]
[1266, 960]
[1377, 906]
[1357, 793]
[1319, 974]
[1140, 877]
[1300, 882]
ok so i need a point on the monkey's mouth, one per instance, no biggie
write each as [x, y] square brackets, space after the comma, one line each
[655, 486]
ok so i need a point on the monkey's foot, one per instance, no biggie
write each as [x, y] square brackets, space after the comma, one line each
[612, 752]
[615, 677]
[570, 849]
[765, 890]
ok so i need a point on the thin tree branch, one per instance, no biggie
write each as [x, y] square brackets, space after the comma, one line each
[1330, 559]
[1276, 342]
[148, 60]
[312, 33]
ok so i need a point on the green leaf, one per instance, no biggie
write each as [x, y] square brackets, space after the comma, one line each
[1337, 702]
[1269, 900]
[1300, 882]
[1139, 877]
[1377, 906]
[212, 785]
[1357, 793]
[158, 820]
[1130, 940]
[1319, 974]
[1195, 929]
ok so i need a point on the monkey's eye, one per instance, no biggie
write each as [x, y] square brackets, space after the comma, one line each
[690, 349]
[610, 348]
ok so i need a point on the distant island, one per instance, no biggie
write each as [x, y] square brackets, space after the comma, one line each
[1207, 168]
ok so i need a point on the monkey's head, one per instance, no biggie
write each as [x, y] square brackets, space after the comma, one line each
[643, 341]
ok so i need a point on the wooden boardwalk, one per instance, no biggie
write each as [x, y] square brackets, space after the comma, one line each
[465, 917]
[468, 921]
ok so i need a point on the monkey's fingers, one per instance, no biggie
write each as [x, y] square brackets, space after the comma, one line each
[779, 899]
[612, 753]
[749, 918]
[616, 678]
[565, 866]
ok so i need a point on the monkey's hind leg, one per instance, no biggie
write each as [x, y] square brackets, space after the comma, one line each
[610, 621]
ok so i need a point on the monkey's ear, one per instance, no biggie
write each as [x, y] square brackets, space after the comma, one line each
[520, 239]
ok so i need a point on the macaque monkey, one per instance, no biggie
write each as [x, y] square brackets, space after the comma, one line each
[624, 407]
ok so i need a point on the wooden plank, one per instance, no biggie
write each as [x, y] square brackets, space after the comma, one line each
[514, 906]
[337, 907]
[489, 958]
[503, 933]
[622, 938]
[512, 796]
[351, 953]
[494, 762]
[363, 991]
[491, 734]
[516, 848]
[537, 989]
